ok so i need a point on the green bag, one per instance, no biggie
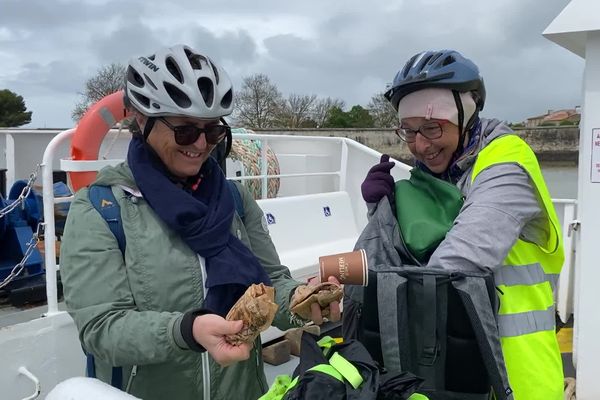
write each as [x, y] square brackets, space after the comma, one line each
[426, 208]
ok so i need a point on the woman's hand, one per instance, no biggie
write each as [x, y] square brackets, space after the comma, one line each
[210, 329]
[379, 182]
[331, 311]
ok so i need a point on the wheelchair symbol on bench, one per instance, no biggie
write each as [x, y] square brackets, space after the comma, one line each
[270, 218]
[327, 211]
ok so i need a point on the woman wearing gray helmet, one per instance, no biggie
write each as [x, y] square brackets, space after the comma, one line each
[507, 221]
[151, 312]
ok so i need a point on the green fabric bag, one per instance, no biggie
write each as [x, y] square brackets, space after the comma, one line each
[426, 208]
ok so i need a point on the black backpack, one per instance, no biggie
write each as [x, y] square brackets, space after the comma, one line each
[436, 324]
[344, 371]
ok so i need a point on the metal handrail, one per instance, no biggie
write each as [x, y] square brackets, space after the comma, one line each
[49, 232]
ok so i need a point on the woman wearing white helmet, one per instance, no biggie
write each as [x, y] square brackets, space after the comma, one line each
[152, 310]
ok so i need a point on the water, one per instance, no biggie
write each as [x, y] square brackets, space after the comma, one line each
[561, 181]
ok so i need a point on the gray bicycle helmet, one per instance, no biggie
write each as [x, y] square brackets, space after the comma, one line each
[178, 81]
[441, 69]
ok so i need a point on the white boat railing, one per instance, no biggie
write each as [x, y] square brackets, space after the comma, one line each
[565, 293]
[49, 230]
[566, 208]
[67, 165]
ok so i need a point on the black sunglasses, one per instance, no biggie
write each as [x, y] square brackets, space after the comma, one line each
[188, 134]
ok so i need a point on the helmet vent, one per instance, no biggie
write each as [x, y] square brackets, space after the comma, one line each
[434, 58]
[141, 98]
[173, 68]
[178, 97]
[226, 100]
[426, 60]
[409, 65]
[216, 72]
[195, 59]
[448, 60]
[207, 89]
[134, 77]
[150, 82]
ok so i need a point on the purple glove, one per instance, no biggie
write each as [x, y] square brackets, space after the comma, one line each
[379, 182]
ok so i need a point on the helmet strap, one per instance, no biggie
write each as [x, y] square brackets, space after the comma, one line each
[148, 127]
[461, 120]
[229, 138]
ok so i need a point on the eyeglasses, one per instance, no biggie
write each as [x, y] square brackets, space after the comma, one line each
[188, 134]
[429, 130]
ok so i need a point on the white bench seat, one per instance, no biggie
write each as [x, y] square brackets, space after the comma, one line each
[303, 228]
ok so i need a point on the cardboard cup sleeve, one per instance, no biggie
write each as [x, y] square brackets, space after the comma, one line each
[348, 268]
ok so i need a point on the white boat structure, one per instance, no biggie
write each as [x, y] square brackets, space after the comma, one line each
[318, 210]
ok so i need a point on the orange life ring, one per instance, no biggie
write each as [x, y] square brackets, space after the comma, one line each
[90, 132]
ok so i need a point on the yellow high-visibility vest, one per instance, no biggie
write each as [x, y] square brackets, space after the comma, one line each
[526, 280]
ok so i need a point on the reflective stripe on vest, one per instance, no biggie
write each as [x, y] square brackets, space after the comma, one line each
[527, 322]
[510, 275]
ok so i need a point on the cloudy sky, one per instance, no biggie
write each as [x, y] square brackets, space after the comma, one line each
[346, 49]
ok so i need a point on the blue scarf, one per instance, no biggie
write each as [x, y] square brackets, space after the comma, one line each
[202, 216]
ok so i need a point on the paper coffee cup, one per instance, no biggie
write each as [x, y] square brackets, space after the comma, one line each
[348, 268]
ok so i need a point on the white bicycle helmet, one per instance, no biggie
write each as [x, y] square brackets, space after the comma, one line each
[178, 81]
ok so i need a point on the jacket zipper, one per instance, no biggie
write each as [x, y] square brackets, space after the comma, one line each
[205, 376]
[259, 369]
[204, 356]
[132, 375]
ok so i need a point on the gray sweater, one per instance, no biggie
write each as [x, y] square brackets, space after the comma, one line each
[501, 206]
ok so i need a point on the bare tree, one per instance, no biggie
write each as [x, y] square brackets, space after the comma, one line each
[258, 103]
[107, 80]
[322, 109]
[384, 115]
[297, 111]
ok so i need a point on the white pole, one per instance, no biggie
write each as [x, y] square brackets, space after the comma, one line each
[49, 231]
[344, 165]
[11, 164]
[587, 318]
[264, 168]
[564, 295]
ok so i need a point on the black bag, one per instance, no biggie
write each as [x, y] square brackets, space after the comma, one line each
[424, 321]
[315, 383]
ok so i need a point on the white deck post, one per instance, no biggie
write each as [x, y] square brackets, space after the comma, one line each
[577, 29]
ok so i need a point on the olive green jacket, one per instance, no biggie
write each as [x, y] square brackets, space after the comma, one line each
[128, 310]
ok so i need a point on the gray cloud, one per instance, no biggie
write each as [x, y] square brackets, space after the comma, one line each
[52, 15]
[55, 77]
[132, 37]
[525, 74]
[345, 49]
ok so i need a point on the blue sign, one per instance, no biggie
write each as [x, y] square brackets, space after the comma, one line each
[270, 219]
[327, 211]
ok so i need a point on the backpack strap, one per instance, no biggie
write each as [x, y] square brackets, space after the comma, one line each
[104, 201]
[237, 198]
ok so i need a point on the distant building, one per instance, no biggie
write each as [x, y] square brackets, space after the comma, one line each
[570, 116]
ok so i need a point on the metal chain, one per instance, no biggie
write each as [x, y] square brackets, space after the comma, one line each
[32, 244]
[17, 269]
[24, 193]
